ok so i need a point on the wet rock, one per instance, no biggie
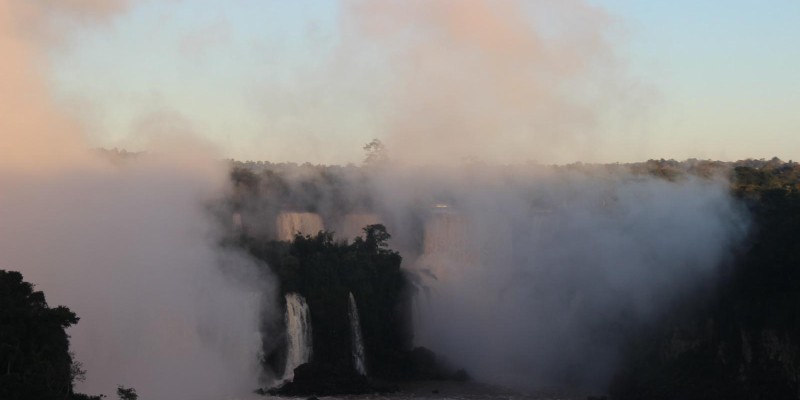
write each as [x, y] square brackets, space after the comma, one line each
[326, 380]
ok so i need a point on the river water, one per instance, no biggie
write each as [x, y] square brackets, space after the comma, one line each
[435, 390]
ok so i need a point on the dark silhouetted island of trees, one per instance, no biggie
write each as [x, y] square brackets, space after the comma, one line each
[325, 271]
[35, 361]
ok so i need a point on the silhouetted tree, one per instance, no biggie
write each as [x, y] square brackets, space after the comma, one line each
[376, 153]
[125, 393]
[35, 362]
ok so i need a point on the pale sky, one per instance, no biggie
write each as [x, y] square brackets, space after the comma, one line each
[699, 79]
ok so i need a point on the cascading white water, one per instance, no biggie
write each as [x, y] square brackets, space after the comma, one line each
[356, 340]
[448, 247]
[298, 333]
[289, 224]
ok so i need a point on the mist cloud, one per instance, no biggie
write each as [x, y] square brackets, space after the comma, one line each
[525, 275]
[443, 81]
[128, 246]
[539, 268]
[132, 251]
[540, 282]
[485, 79]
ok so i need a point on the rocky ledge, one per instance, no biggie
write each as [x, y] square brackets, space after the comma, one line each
[323, 380]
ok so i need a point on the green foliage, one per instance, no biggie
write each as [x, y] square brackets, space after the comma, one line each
[35, 362]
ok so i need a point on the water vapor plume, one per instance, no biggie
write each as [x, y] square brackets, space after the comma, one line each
[532, 276]
[501, 81]
[565, 269]
[31, 132]
[527, 276]
[129, 245]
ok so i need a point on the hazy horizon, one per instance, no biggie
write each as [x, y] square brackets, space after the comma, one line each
[136, 249]
[593, 81]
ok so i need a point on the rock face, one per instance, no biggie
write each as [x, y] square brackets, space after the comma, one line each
[326, 380]
[321, 379]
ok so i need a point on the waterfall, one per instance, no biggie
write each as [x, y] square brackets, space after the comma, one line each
[356, 340]
[298, 333]
[290, 223]
[353, 225]
[448, 247]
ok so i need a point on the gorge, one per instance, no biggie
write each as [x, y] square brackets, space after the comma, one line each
[567, 265]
